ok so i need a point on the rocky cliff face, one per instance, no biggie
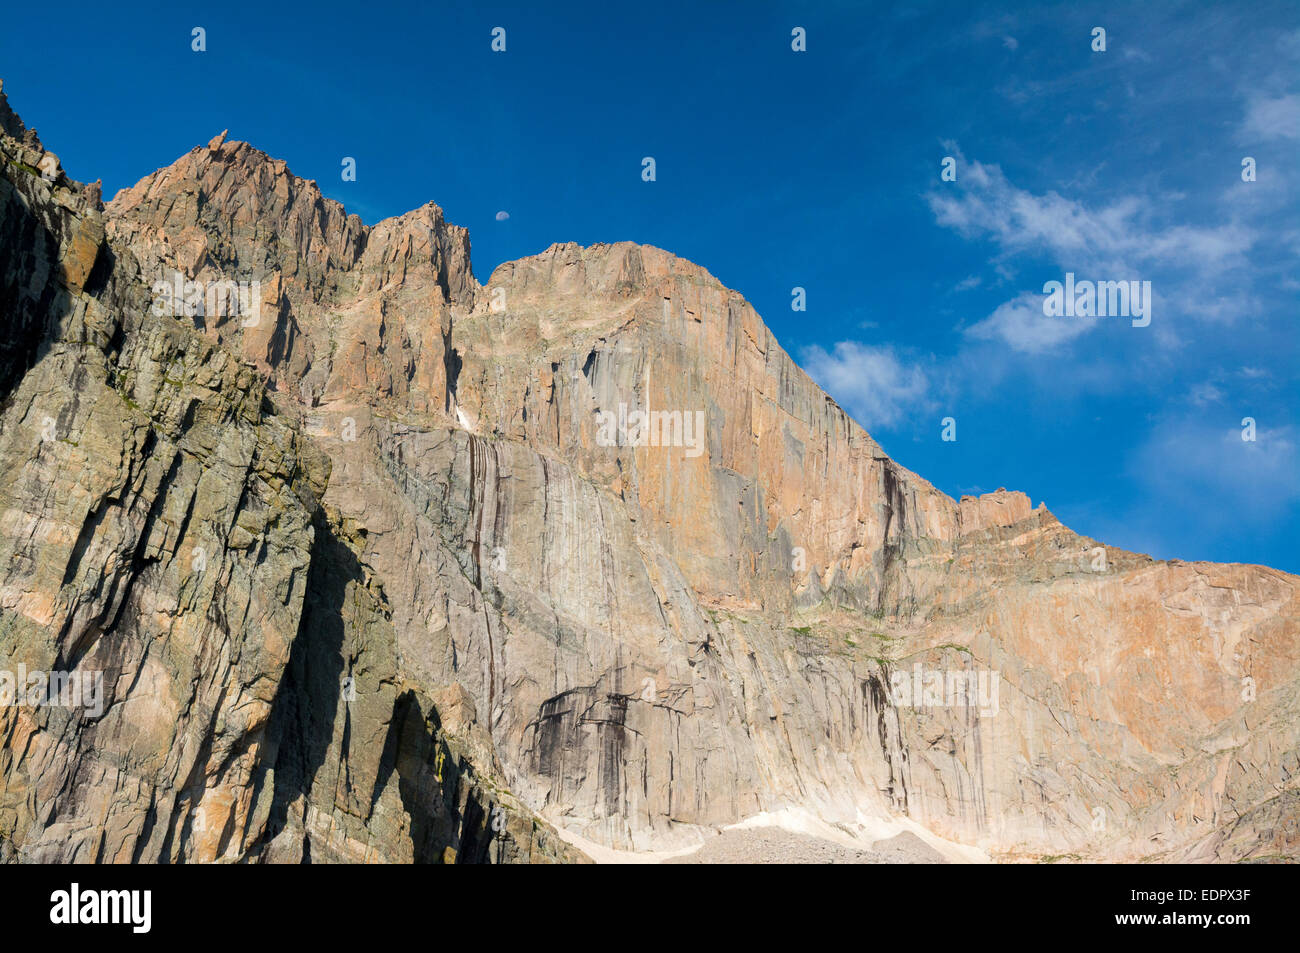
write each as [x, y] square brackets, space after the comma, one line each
[162, 529]
[456, 588]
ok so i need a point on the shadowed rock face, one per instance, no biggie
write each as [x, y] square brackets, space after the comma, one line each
[406, 479]
[163, 536]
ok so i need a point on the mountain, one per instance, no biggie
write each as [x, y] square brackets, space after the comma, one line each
[379, 563]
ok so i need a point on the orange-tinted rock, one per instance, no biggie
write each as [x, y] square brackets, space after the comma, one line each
[633, 640]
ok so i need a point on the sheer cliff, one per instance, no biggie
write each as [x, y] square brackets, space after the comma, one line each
[452, 593]
[161, 526]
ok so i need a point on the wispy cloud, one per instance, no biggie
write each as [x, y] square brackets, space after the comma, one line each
[1272, 117]
[1187, 461]
[1020, 324]
[1107, 238]
[872, 383]
[1204, 272]
[1206, 393]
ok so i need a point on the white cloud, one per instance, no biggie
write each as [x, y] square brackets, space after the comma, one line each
[1205, 394]
[1275, 117]
[1021, 324]
[1111, 241]
[1010, 42]
[1203, 272]
[873, 385]
[1189, 461]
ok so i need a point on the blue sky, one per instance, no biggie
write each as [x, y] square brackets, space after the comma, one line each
[820, 169]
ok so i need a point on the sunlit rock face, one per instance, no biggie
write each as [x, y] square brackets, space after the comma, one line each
[580, 547]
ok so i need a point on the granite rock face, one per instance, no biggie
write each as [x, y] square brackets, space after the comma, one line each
[164, 538]
[580, 546]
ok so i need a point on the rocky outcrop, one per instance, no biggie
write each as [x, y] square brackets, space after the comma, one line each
[992, 509]
[459, 589]
[164, 540]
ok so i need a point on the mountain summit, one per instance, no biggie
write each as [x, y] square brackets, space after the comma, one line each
[374, 562]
